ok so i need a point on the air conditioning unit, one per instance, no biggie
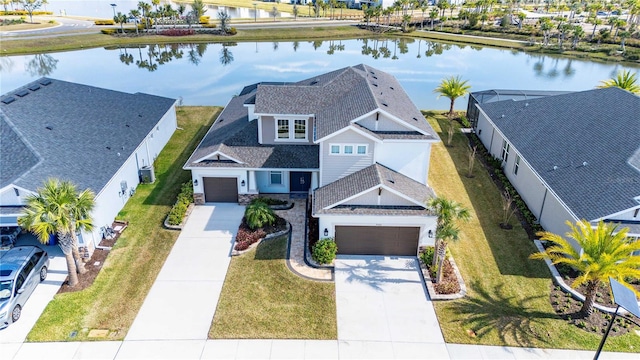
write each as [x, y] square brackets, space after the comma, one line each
[147, 175]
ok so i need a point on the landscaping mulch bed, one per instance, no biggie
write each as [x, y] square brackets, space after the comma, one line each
[568, 309]
[449, 283]
[85, 280]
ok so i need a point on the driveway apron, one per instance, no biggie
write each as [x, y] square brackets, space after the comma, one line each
[382, 304]
[183, 299]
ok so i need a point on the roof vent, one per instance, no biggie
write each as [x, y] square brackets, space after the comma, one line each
[34, 87]
[555, 167]
[45, 82]
[8, 100]
[22, 93]
[385, 104]
[314, 81]
[139, 115]
[127, 125]
[502, 115]
[415, 119]
[49, 127]
[526, 104]
[374, 84]
[375, 77]
[108, 147]
[391, 87]
[390, 179]
[584, 163]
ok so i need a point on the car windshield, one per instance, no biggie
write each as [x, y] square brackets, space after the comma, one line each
[5, 289]
[5, 240]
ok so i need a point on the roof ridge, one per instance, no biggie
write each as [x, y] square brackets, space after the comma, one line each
[24, 140]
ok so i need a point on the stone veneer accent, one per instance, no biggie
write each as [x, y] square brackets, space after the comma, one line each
[198, 198]
[245, 199]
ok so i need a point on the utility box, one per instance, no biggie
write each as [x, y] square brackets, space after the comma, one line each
[147, 175]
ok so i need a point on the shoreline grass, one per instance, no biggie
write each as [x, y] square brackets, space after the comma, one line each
[114, 299]
[508, 299]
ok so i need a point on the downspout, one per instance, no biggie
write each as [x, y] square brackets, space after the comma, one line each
[544, 199]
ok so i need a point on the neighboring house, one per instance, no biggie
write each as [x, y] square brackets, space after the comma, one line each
[570, 156]
[351, 135]
[98, 139]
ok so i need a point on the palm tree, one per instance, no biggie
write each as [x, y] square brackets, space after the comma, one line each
[120, 18]
[624, 79]
[447, 211]
[58, 209]
[452, 87]
[135, 13]
[605, 252]
[145, 8]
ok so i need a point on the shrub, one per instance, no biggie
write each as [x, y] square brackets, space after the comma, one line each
[104, 22]
[268, 201]
[204, 19]
[177, 32]
[427, 255]
[242, 245]
[108, 32]
[325, 250]
[185, 197]
[464, 121]
[232, 31]
[258, 215]
[209, 26]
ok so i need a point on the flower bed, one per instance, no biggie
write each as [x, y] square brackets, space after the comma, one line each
[247, 239]
[452, 285]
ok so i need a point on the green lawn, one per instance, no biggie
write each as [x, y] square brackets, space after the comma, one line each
[262, 299]
[114, 299]
[508, 295]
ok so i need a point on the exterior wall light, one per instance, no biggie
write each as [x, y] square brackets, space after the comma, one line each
[430, 233]
[242, 183]
[195, 182]
[326, 232]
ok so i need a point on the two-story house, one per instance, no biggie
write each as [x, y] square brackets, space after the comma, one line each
[350, 138]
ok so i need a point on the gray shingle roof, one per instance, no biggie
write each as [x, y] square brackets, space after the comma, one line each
[600, 127]
[73, 132]
[369, 178]
[233, 135]
[340, 96]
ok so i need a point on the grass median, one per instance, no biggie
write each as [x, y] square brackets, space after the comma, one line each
[113, 301]
[27, 45]
[508, 299]
[262, 299]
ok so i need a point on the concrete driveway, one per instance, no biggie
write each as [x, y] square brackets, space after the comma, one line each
[383, 309]
[183, 299]
[16, 333]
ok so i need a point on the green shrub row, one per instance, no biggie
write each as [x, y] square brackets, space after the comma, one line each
[185, 197]
[324, 251]
[496, 164]
[268, 201]
[24, 12]
[104, 22]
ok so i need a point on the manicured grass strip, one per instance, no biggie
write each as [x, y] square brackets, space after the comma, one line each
[262, 299]
[114, 299]
[508, 294]
[86, 41]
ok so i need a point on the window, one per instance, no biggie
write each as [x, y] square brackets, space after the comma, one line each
[516, 165]
[505, 151]
[335, 149]
[283, 129]
[290, 129]
[348, 149]
[275, 177]
[362, 149]
[300, 129]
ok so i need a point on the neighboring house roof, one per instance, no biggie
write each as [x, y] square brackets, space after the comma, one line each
[75, 132]
[327, 198]
[338, 97]
[235, 136]
[599, 128]
[492, 95]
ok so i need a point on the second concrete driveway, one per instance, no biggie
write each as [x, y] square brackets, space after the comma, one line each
[183, 299]
[383, 309]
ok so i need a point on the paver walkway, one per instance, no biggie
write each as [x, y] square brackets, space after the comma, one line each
[183, 299]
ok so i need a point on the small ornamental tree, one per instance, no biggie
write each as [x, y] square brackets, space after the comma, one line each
[325, 250]
[259, 215]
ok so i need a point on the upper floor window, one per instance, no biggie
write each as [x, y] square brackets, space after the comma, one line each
[505, 151]
[516, 165]
[348, 149]
[287, 129]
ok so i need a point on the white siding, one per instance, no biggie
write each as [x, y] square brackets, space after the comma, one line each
[408, 158]
[383, 124]
[335, 167]
[386, 198]
[554, 216]
[425, 223]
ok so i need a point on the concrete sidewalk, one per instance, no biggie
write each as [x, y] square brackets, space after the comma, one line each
[183, 299]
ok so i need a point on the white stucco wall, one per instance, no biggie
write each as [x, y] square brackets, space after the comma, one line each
[425, 224]
[410, 158]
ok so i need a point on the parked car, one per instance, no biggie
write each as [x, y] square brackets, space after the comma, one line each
[8, 237]
[21, 270]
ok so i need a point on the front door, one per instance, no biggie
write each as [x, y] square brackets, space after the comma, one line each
[299, 181]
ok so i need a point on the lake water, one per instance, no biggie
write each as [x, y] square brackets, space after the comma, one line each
[104, 9]
[210, 74]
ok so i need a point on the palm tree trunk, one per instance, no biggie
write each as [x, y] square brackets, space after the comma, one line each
[590, 297]
[434, 261]
[66, 245]
[451, 109]
[76, 253]
[442, 253]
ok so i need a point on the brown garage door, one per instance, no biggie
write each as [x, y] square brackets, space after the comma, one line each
[377, 240]
[220, 189]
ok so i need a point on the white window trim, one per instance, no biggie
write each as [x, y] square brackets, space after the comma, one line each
[342, 146]
[281, 178]
[516, 165]
[292, 132]
[505, 151]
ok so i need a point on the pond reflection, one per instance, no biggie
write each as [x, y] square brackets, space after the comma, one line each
[217, 71]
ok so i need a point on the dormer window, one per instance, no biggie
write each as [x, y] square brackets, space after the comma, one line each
[291, 129]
